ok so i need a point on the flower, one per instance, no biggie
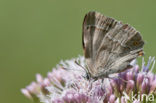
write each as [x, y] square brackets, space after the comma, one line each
[67, 84]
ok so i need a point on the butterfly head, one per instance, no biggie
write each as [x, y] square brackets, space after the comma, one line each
[87, 76]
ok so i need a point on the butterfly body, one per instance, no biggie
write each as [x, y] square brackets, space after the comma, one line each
[109, 46]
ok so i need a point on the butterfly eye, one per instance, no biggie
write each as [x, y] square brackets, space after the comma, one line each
[135, 43]
[87, 76]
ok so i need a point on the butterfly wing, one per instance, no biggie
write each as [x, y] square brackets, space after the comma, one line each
[106, 40]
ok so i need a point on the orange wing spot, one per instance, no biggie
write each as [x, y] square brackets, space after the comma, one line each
[141, 53]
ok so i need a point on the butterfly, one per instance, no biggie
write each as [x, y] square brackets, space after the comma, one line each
[109, 45]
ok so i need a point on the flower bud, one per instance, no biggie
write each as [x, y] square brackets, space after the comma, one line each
[112, 99]
[129, 87]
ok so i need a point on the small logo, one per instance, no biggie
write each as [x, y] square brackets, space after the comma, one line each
[139, 97]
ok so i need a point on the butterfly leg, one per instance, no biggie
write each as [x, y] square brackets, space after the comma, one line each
[79, 65]
[91, 84]
[102, 81]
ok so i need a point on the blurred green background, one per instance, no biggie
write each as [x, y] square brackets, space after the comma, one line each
[36, 34]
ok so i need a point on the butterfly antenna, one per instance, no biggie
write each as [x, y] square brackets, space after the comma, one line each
[80, 65]
[70, 69]
[88, 76]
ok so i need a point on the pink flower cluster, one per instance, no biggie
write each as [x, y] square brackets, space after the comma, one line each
[66, 84]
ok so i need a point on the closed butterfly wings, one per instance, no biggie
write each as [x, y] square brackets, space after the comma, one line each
[109, 46]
